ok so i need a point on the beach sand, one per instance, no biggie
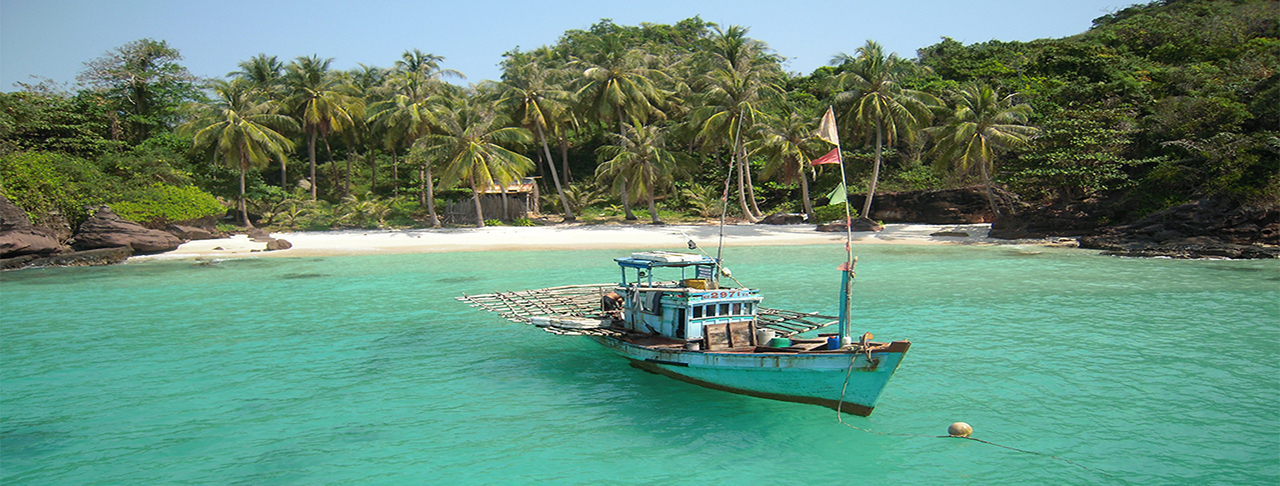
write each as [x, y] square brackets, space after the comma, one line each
[565, 237]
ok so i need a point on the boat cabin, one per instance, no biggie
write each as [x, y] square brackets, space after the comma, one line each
[678, 296]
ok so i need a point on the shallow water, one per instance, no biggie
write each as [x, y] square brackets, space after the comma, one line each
[364, 370]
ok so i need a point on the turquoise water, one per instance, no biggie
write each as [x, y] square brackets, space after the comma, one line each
[364, 370]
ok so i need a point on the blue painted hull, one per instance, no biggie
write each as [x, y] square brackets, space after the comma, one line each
[817, 378]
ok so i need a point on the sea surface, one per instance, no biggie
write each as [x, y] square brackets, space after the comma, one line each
[365, 370]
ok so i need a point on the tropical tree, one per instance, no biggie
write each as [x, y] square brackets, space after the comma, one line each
[314, 98]
[786, 144]
[982, 124]
[733, 96]
[871, 96]
[639, 155]
[143, 81]
[471, 145]
[617, 84]
[243, 132]
[408, 114]
[531, 96]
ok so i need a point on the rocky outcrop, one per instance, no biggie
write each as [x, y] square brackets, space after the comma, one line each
[276, 244]
[859, 224]
[785, 218]
[18, 237]
[1213, 227]
[87, 258]
[1069, 221]
[966, 205]
[106, 229]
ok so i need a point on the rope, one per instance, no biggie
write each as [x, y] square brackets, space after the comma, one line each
[840, 419]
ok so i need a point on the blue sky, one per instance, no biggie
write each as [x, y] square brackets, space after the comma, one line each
[53, 38]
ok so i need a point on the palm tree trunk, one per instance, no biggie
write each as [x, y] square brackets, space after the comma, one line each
[626, 204]
[284, 183]
[564, 157]
[311, 155]
[240, 205]
[431, 197]
[551, 164]
[653, 206]
[742, 194]
[422, 184]
[346, 184]
[751, 187]
[875, 175]
[991, 196]
[475, 196]
[373, 167]
[395, 173]
[804, 193]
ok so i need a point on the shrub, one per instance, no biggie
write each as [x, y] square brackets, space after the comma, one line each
[163, 203]
[49, 186]
[830, 213]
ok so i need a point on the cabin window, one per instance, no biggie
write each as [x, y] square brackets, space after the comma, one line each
[724, 309]
[737, 308]
[697, 311]
[747, 308]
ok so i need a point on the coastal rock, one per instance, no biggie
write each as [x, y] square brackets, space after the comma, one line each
[87, 258]
[188, 233]
[276, 244]
[785, 218]
[196, 229]
[859, 224]
[1068, 221]
[1208, 228]
[106, 229]
[18, 237]
[966, 205]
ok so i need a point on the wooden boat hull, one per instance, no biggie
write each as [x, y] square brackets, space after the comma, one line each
[815, 378]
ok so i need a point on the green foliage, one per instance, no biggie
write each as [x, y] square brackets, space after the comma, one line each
[51, 186]
[76, 125]
[164, 203]
[523, 222]
[831, 212]
[493, 222]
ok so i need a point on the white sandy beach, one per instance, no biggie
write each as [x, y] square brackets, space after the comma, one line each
[565, 237]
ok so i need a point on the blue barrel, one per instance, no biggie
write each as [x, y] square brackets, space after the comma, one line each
[833, 342]
[779, 342]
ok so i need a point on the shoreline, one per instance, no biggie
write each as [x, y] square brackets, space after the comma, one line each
[566, 237]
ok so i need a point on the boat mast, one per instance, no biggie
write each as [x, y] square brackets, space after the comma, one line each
[724, 197]
[846, 269]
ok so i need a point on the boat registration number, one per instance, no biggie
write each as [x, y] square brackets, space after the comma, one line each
[724, 294]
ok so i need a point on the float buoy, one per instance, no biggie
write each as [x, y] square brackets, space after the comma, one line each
[959, 429]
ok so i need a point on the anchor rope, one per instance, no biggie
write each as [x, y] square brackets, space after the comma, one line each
[840, 418]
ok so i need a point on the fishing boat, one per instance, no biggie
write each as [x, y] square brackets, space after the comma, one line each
[673, 313]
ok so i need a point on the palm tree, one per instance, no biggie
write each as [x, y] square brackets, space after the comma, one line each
[733, 96]
[470, 145]
[529, 93]
[244, 133]
[319, 105]
[786, 145]
[876, 103]
[409, 113]
[618, 84]
[263, 72]
[982, 124]
[639, 155]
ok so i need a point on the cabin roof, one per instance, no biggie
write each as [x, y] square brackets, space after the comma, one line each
[649, 260]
